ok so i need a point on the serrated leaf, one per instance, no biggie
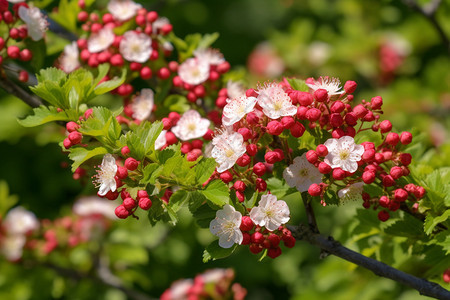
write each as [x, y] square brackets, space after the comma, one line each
[196, 200]
[51, 74]
[298, 84]
[204, 169]
[42, 115]
[213, 251]
[157, 211]
[431, 221]
[66, 14]
[148, 172]
[408, 227]
[110, 85]
[217, 193]
[103, 125]
[79, 155]
[207, 40]
[177, 103]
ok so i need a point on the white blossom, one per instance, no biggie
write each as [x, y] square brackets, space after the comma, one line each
[159, 24]
[123, 10]
[234, 89]
[237, 108]
[16, 1]
[12, 246]
[36, 23]
[270, 212]
[136, 46]
[69, 60]
[93, 205]
[301, 174]
[191, 126]
[101, 40]
[331, 85]
[142, 105]
[343, 153]
[20, 221]
[211, 56]
[351, 193]
[275, 102]
[161, 140]
[228, 147]
[104, 179]
[226, 226]
[194, 71]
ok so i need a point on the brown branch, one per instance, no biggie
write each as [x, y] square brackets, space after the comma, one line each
[331, 246]
[429, 12]
[19, 92]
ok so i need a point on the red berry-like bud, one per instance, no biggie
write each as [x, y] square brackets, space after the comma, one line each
[274, 239]
[385, 126]
[116, 60]
[171, 138]
[287, 122]
[239, 186]
[125, 151]
[75, 137]
[383, 216]
[275, 128]
[121, 212]
[301, 112]
[223, 67]
[351, 119]
[324, 168]
[255, 248]
[122, 172]
[350, 87]
[321, 95]
[379, 158]
[420, 192]
[368, 177]
[406, 137]
[297, 130]
[246, 224]
[289, 241]
[240, 196]
[163, 73]
[315, 190]
[271, 157]
[405, 158]
[259, 169]
[400, 195]
[313, 114]
[274, 252]
[67, 143]
[376, 102]
[446, 275]
[26, 55]
[72, 126]
[246, 238]
[152, 16]
[360, 111]
[339, 174]
[336, 120]
[23, 76]
[261, 185]
[251, 93]
[369, 155]
[337, 133]
[337, 107]
[312, 156]
[322, 150]
[145, 203]
[243, 161]
[252, 149]
[209, 135]
[392, 138]
[384, 201]
[257, 237]
[246, 133]
[369, 117]
[174, 117]
[131, 164]
[388, 181]
[129, 203]
[410, 188]
[226, 176]
[396, 172]
[304, 98]
[166, 29]
[145, 73]
[186, 147]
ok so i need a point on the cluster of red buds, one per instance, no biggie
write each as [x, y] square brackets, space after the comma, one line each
[22, 22]
[212, 284]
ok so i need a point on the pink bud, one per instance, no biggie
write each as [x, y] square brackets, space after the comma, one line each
[350, 87]
[304, 98]
[313, 114]
[396, 172]
[243, 161]
[337, 107]
[384, 201]
[405, 137]
[368, 177]
[314, 190]
[376, 102]
[287, 122]
[72, 126]
[383, 216]
[145, 203]
[385, 126]
[275, 128]
[339, 174]
[75, 137]
[297, 130]
[131, 164]
[129, 203]
[360, 111]
[261, 184]
[122, 172]
[324, 168]
[252, 149]
[351, 119]
[226, 176]
[125, 151]
[259, 169]
[301, 112]
[392, 138]
[246, 223]
[121, 212]
[400, 195]
[312, 156]
[321, 95]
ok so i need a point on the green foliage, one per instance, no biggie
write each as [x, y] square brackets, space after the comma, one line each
[192, 42]
[44, 114]
[217, 193]
[79, 155]
[298, 84]
[103, 126]
[67, 14]
[141, 140]
[213, 251]
[6, 200]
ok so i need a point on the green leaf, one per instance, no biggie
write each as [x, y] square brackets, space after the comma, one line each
[148, 172]
[74, 98]
[176, 103]
[141, 140]
[42, 115]
[51, 74]
[204, 169]
[196, 200]
[39, 50]
[408, 227]
[103, 125]
[213, 251]
[110, 85]
[217, 193]
[431, 222]
[66, 14]
[207, 40]
[203, 215]
[79, 155]
[6, 200]
[298, 84]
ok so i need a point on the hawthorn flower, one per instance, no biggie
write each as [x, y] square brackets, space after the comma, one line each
[275, 102]
[194, 71]
[12, 246]
[93, 205]
[104, 179]
[161, 140]
[159, 24]
[191, 126]
[228, 147]
[20, 221]
[101, 40]
[212, 56]
[69, 60]
[36, 23]
[136, 46]
[352, 192]
[301, 174]
[270, 212]
[343, 153]
[123, 10]
[226, 226]
[142, 105]
[237, 108]
[234, 89]
[331, 85]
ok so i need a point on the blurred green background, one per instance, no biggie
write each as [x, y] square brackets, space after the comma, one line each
[389, 49]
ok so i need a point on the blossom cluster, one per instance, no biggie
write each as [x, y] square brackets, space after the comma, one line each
[211, 284]
[23, 22]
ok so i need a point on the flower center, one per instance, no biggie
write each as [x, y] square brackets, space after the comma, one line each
[344, 154]
[229, 153]
[191, 127]
[303, 172]
[277, 106]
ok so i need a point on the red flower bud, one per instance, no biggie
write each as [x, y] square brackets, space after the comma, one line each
[131, 164]
[339, 174]
[259, 169]
[368, 177]
[145, 203]
[321, 95]
[240, 196]
[384, 201]
[301, 112]
[312, 156]
[297, 130]
[324, 168]
[392, 138]
[400, 195]
[304, 98]
[257, 237]
[239, 186]
[121, 212]
[337, 107]
[313, 114]
[351, 119]
[122, 172]
[287, 122]
[252, 149]
[376, 102]
[360, 111]
[396, 172]
[405, 158]
[383, 216]
[246, 224]
[261, 185]
[336, 120]
[75, 137]
[275, 128]
[243, 161]
[246, 133]
[350, 87]
[315, 190]
[405, 137]
[129, 203]
[385, 126]
[226, 176]
[274, 252]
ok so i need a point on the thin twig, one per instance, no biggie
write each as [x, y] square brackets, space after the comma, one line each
[19, 92]
[331, 246]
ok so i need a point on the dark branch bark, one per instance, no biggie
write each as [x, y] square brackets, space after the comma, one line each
[20, 93]
[429, 12]
[333, 247]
